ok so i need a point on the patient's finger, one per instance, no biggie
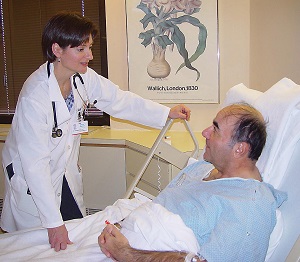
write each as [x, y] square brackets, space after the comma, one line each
[101, 242]
[113, 230]
[109, 228]
[101, 238]
[105, 252]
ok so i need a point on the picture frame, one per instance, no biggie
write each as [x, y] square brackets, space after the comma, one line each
[173, 52]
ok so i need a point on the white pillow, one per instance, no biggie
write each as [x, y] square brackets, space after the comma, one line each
[241, 94]
[276, 235]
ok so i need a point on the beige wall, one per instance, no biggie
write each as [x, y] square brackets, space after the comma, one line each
[275, 42]
[262, 58]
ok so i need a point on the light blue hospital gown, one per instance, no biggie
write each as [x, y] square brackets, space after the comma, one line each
[232, 218]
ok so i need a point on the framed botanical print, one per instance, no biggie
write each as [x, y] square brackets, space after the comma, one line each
[173, 54]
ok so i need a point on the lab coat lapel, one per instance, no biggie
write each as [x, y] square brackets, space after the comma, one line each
[62, 112]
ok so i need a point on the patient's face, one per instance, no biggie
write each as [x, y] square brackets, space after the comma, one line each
[218, 139]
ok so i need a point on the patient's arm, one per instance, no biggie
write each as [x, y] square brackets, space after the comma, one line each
[116, 246]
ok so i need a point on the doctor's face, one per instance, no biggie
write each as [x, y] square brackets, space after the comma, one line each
[218, 139]
[76, 59]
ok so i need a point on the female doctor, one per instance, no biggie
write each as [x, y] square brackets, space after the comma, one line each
[43, 180]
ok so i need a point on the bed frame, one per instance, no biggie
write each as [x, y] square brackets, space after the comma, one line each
[164, 151]
[288, 249]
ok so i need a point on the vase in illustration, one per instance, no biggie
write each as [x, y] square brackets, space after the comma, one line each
[158, 67]
[162, 28]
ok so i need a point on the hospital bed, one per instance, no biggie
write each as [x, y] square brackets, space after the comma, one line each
[278, 164]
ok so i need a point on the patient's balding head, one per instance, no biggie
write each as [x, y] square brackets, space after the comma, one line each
[249, 127]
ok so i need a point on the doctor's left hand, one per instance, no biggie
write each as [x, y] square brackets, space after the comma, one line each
[58, 238]
[180, 111]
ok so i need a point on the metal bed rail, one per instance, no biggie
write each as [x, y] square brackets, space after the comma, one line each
[158, 148]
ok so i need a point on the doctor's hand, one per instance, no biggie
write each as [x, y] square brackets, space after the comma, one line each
[114, 244]
[180, 111]
[58, 238]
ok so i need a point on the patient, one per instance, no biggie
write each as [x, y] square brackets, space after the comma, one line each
[230, 211]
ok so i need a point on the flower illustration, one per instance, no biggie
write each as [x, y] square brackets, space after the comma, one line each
[166, 16]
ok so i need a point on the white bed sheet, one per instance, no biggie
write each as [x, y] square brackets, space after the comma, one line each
[148, 226]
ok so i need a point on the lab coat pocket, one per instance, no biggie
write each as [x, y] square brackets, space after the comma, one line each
[22, 196]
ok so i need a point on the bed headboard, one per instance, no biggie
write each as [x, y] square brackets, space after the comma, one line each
[290, 211]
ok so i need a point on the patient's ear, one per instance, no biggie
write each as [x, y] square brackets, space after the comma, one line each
[241, 149]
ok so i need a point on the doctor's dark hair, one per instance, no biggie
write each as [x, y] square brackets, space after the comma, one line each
[66, 29]
[250, 127]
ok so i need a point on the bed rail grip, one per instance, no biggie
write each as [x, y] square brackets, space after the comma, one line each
[151, 153]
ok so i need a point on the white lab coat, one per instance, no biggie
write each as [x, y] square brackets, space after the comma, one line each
[40, 161]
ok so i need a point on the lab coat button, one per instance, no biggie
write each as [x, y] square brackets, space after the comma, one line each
[58, 194]
[69, 147]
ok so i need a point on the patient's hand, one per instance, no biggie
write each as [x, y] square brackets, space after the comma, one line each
[58, 238]
[113, 243]
[116, 246]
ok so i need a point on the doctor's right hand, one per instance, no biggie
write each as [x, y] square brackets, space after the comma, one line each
[58, 238]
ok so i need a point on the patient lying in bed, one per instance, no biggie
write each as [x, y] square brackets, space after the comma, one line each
[232, 215]
[227, 217]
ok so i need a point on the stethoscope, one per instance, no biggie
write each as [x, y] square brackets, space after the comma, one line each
[57, 132]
